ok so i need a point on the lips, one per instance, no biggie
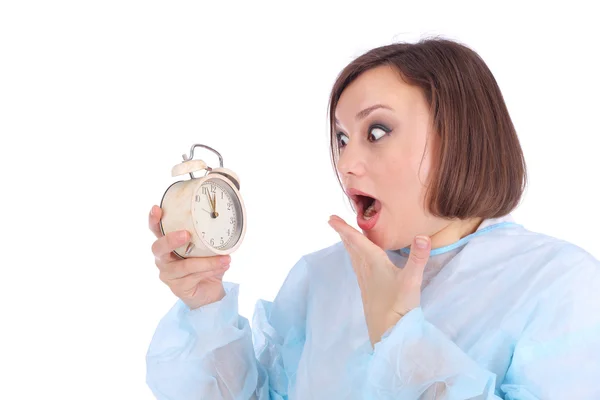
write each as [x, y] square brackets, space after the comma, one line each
[367, 208]
[361, 200]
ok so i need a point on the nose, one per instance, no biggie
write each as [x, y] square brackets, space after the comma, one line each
[351, 160]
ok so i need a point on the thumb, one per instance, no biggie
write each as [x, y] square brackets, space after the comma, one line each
[419, 255]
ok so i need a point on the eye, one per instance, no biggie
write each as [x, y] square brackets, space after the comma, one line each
[376, 132]
[342, 139]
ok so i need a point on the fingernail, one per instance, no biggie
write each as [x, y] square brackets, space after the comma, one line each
[183, 235]
[152, 211]
[225, 260]
[421, 242]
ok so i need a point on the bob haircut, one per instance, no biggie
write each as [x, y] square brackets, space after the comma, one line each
[479, 170]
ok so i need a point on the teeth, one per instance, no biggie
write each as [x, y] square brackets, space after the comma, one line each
[369, 212]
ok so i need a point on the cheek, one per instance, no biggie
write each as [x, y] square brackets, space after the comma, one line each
[423, 179]
[404, 188]
[408, 178]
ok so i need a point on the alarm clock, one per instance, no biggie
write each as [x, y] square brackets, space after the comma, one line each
[209, 207]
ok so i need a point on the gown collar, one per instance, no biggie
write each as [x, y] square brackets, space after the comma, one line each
[486, 225]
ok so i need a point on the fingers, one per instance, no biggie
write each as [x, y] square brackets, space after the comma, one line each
[163, 246]
[198, 266]
[346, 232]
[154, 219]
[188, 286]
[347, 235]
[356, 240]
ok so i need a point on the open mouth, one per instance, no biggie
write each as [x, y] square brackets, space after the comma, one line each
[367, 208]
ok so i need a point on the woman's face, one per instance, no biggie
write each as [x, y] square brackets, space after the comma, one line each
[386, 149]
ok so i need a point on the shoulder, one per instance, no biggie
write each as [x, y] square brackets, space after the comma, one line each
[296, 288]
[327, 254]
[537, 255]
[563, 280]
[330, 262]
[515, 239]
[310, 263]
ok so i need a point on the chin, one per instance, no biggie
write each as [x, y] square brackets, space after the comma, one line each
[374, 228]
[386, 239]
[378, 237]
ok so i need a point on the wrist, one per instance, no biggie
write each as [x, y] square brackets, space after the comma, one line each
[215, 315]
[210, 298]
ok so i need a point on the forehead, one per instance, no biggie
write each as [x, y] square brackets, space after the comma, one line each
[380, 85]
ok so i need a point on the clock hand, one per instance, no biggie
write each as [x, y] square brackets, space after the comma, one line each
[209, 200]
[212, 206]
[216, 214]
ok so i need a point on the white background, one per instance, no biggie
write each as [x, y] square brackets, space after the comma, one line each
[98, 100]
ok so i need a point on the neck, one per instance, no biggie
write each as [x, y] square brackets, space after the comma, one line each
[456, 230]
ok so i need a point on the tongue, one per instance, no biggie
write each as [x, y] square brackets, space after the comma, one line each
[372, 209]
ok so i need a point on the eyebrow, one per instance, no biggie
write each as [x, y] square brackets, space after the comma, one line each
[364, 113]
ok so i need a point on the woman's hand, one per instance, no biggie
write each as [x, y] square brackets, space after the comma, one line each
[388, 292]
[196, 281]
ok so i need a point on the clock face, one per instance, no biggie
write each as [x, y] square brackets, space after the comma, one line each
[217, 213]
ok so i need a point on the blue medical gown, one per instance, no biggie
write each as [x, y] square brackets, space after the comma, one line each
[512, 314]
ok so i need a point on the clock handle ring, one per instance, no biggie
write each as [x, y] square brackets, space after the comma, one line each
[191, 156]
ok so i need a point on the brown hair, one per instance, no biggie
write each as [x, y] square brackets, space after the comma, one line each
[480, 169]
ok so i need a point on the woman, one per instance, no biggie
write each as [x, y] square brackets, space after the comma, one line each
[441, 296]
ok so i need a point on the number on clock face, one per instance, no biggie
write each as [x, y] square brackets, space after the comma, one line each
[215, 213]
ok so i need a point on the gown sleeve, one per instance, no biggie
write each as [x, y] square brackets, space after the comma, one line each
[557, 355]
[212, 352]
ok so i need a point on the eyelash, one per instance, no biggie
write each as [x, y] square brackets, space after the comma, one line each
[374, 126]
